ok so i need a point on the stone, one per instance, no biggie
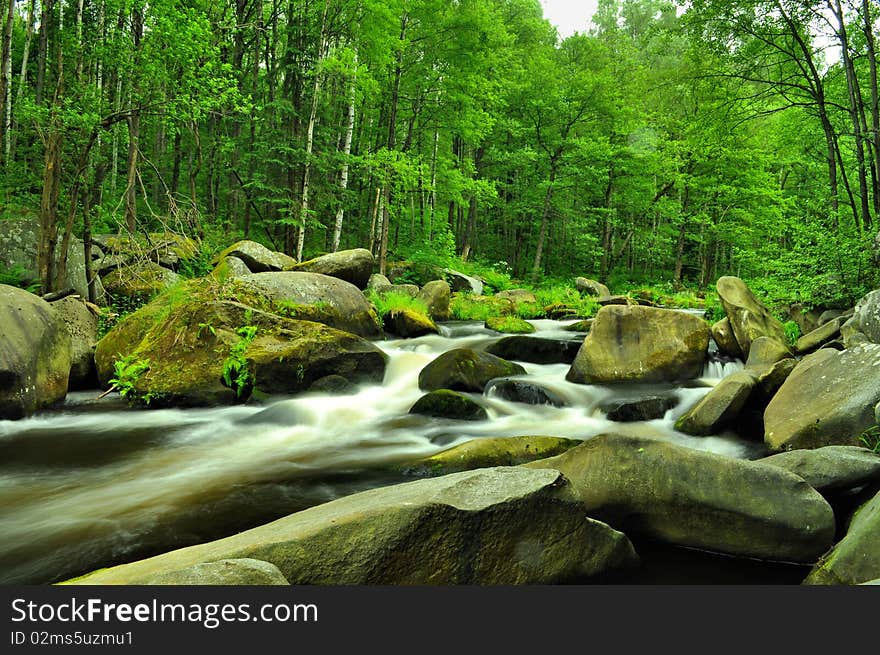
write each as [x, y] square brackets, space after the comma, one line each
[332, 385]
[226, 572]
[461, 282]
[830, 468]
[354, 266]
[749, 318]
[827, 400]
[536, 350]
[139, 282]
[436, 294]
[82, 326]
[231, 267]
[319, 298]
[697, 499]
[864, 325]
[720, 407]
[35, 354]
[407, 323]
[828, 331]
[580, 326]
[484, 452]
[517, 296]
[444, 403]
[464, 369]
[856, 557]
[723, 336]
[523, 391]
[509, 325]
[590, 287]
[641, 344]
[257, 257]
[492, 526]
[409, 290]
[603, 301]
[377, 280]
[642, 409]
[764, 354]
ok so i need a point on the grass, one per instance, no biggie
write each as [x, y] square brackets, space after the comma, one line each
[510, 325]
[127, 371]
[871, 439]
[392, 302]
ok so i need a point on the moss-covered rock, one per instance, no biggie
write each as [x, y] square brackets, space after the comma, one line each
[491, 526]
[698, 499]
[436, 295]
[224, 572]
[464, 369]
[444, 403]
[35, 353]
[139, 281]
[517, 296]
[590, 287]
[257, 257]
[509, 325]
[407, 322]
[749, 318]
[231, 267]
[641, 344]
[489, 451]
[354, 266]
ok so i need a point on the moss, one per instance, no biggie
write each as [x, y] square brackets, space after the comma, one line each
[510, 325]
[444, 403]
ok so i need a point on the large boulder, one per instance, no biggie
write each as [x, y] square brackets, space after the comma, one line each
[641, 344]
[749, 318]
[257, 257]
[864, 325]
[491, 526]
[436, 295]
[827, 400]
[697, 499]
[720, 407]
[244, 571]
[856, 557]
[820, 336]
[231, 267]
[461, 282]
[489, 451]
[591, 287]
[354, 266]
[197, 350]
[139, 282]
[82, 325]
[444, 403]
[722, 335]
[35, 353]
[407, 322]
[464, 369]
[536, 350]
[831, 468]
[319, 298]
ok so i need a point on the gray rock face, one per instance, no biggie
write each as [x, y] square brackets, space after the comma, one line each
[319, 298]
[461, 282]
[34, 354]
[436, 294]
[749, 318]
[856, 557]
[232, 267]
[537, 350]
[591, 287]
[641, 344]
[523, 391]
[828, 399]
[643, 409]
[244, 571]
[463, 369]
[490, 526]
[724, 338]
[698, 499]
[820, 336]
[719, 407]
[257, 257]
[865, 322]
[82, 325]
[354, 266]
[831, 468]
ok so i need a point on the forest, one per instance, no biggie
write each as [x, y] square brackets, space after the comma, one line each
[672, 143]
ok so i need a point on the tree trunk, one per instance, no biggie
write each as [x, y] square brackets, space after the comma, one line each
[22, 78]
[346, 150]
[545, 221]
[6, 80]
[43, 48]
[871, 52]
[134, 127]
[49, 209]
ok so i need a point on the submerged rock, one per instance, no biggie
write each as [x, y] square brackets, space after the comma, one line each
[642, 409]
[444, 403]
[491, 526]
[464, 369]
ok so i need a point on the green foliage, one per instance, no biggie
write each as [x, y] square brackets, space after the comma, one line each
[126, 372]
[509, 325]
[871, 439]
[16, 276]
[792, 332]
[466, 307]
[236, 372]
[395, 301]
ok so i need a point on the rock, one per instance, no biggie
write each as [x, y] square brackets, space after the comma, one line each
[720, 407]
[641, 344]
[489, 451]
[202, 330]
[319, 298]
[409, 290]
[604, 301]
[517, 296]
[771, 381]
[110, 262]
[82, 325]
[244, 571]
[591, 287]
[579, 326]
[408, 323]
[536, 350]
[696, 499]
[376, 280]
[827, 400]
[855, 558]
[139, 282]
[332, 385]
[643, 409]
[522, 391]
[749, 318]
[436, 294]
[864, 325]
[257, 257]
[231, 267]
[444, 403]
[560, 312]
[461, 282]
[169, 249]
[814, 340]
[491, 526]
[463, 369]
[353, 266]
[806, 319]
[509, 325]
[35, 353]
[877, 413]
[723, 336]
[831, 314]
[831, 468]
[764, 354]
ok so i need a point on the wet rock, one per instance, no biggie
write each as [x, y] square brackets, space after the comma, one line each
[723, 336]
[536, 350]
[444, 403]
[509, 325]
[408, 323]
[464, 369]
[522, 391]
[643, 409]
[720, 407]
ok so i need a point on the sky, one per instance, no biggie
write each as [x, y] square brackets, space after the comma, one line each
[569, 16]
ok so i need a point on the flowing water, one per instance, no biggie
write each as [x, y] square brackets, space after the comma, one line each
[94, 483]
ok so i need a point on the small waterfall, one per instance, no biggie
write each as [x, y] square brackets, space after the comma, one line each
[717, 370]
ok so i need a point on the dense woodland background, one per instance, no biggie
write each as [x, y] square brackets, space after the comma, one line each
[673, 143]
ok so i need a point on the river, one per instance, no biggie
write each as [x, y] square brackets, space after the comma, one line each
[94, 483]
